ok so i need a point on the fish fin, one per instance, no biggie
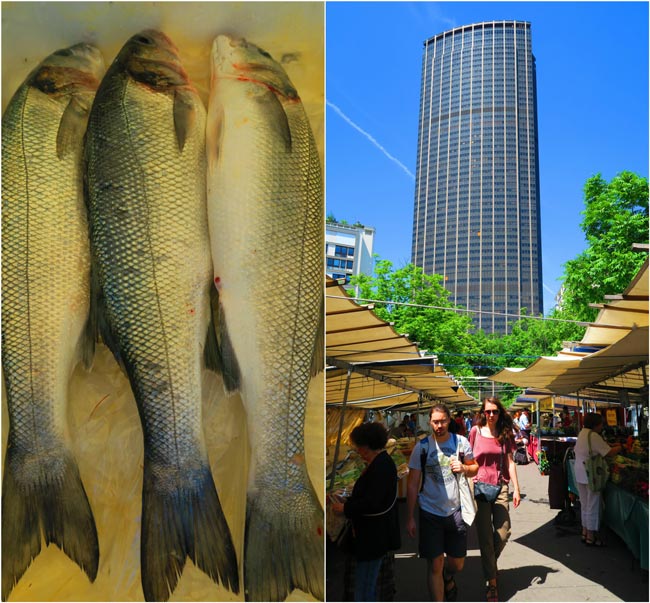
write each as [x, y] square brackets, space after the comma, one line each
[181, 522]
[284, 547]
[71, 127]
[318, 357]
[58, 505]
[87, 343]
[277, 119]
[211, 352]
[214, 135]
[227, 363]
[184, 116]
[98, 325]
[230, 365]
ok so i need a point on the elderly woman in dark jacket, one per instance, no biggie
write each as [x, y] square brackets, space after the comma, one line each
[372, 508]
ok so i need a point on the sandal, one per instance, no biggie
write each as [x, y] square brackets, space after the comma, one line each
[450, 593]
[598, 542]
[491, 593]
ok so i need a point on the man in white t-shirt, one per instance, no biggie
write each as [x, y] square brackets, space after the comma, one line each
[441, 527]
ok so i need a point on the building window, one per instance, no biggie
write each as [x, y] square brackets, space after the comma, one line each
[342, 251]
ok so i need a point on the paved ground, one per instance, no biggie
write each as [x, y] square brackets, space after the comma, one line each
[540, 563]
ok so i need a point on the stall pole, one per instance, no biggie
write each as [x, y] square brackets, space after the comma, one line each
[338, 437]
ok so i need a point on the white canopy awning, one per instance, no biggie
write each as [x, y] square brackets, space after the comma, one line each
[385, 369]
[615, 372]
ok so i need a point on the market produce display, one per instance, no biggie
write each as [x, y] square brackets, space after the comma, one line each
[351, 466]
[629, 469]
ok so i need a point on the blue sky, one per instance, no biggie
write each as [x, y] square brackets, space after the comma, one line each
[592, 95]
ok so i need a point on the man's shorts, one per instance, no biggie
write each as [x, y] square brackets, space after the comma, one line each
[440, 535]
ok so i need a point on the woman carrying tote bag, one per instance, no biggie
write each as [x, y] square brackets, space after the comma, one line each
[493, 443]
[590, 438]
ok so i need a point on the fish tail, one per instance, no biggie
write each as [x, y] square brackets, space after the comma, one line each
[284, 547]
[179, 521]
[57, 504]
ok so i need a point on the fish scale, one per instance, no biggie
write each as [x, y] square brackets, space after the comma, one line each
[45, 298]
[149, 238]
[265, 211]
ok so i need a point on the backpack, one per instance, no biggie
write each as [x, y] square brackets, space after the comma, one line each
[520, 457]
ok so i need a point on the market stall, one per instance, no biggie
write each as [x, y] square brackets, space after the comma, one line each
[370, 367]
[372, 370]
[606, 372]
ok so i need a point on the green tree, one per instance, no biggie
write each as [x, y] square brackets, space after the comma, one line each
[438, 329]
[615, 217]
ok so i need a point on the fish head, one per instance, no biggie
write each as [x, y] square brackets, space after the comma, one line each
[236, 58]
[151, 59]
[69, 70]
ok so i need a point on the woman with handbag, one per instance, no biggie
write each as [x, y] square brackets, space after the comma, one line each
[493, 443]
[372, 508]
[590, 443]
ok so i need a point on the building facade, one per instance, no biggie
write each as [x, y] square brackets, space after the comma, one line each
[348, 250]
[476, 213]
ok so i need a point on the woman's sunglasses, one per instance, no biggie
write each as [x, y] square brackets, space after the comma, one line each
[491, 412]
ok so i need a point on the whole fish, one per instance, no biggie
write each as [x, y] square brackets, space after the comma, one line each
[265, 213]
[145, 178]
[45, 299]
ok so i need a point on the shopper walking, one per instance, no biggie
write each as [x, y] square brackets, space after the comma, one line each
[432, 483]
[493, 443]
[590, 500]
[372, 508]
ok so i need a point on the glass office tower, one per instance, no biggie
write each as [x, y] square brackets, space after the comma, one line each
[476, 215]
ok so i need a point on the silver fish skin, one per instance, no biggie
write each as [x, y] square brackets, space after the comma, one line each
[45, 301]
[265, 213]
[145, 179]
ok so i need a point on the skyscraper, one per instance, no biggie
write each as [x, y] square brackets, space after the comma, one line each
[476, 214]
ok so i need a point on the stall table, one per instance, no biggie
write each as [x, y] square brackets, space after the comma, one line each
[627, 515]
[556, 446]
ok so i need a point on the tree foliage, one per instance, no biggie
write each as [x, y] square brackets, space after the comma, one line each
[437, 329]
[615, 217]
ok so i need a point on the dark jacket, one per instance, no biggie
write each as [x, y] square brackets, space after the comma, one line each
[374, 492]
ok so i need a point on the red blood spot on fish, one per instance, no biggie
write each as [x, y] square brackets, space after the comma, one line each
[319, 530]
[217, 281]
[192, 311]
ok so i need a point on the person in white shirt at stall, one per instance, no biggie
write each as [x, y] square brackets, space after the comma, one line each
[590, 500]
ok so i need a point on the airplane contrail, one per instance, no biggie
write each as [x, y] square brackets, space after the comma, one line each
[548, 289]
[370, 138]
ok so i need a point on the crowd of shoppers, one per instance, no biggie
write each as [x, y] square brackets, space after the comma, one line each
[481, 451]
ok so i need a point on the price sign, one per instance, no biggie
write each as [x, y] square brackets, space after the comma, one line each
[611, 417]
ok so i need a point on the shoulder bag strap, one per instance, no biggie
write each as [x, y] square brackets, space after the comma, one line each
[500, 466]
[383, 512]
[424, 452]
